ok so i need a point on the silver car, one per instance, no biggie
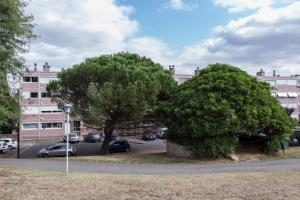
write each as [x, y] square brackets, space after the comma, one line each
[58, 149]
[73, 138]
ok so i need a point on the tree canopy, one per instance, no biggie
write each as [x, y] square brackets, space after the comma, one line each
[110, 89]
[15, 34]
[208, 112]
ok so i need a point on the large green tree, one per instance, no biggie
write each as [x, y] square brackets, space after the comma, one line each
[208, 112]
[15, 34]
[108, 90]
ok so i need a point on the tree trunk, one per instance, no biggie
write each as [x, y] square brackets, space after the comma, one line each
[108, 130]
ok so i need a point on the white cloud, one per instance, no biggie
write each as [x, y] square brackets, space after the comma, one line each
[268, 38]
[242, 5]
[157, 50]
[72, 30]
[180, 5]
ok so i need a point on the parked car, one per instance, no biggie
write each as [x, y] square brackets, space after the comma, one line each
[119, 145]
[162, 133]
[3, 147]
[73, 138]
[92, 137]
[148, 136]
[295, 140]
[58, 149]
[11, 142]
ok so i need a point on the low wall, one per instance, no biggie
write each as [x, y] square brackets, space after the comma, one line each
[174, 149]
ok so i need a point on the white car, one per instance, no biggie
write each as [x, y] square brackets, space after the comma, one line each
[73, 138]
[3, 147]
[11, 142]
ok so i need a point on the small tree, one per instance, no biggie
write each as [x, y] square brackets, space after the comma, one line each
[110, 89]
[208, 112]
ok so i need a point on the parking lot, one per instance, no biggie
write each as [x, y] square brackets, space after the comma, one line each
[30, 148]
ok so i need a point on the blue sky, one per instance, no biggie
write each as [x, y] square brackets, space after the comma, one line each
[178, 27]
[250, 34]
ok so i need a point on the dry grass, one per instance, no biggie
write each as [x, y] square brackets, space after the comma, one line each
[29, 184]
[158, 157]
[144, 158]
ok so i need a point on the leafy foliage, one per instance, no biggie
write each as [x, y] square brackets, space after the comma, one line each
[109, 89]
[9, 108]
[16, 32]
[208, 112]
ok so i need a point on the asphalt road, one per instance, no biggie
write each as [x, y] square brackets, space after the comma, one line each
[79, 166]
[88, 149]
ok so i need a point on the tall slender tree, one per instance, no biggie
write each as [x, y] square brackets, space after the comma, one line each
[15, 35]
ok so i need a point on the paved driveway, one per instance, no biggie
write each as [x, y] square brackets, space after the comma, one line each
[87, 149]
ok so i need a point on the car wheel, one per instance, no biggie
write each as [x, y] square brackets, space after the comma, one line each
[127, 149]
[45, 155]
[10, 147]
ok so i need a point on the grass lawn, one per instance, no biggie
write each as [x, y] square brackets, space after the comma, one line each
[157, 157]
[35, 184]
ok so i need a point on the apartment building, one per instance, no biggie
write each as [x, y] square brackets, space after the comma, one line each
[285, 88]
[41, 117]
[180, 78]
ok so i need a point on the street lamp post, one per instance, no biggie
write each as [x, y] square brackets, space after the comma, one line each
[67, 108]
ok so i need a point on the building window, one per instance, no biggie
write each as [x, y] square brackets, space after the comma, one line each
[45, 95]
[26, 79]
[76, 126]
[292, 82]
[30, 126]
[34, 79]
[50, 109]
[293, 94]
[281, 82]
[47, 79]
[30, 79]
[271, 82]
[51, 125]
[282, 94]
[34, 95]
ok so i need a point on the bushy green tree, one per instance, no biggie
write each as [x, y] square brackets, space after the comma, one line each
[208, 112]
[110, 89]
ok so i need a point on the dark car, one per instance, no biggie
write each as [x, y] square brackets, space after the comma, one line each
[92, 137]
[119, 145]
[148, 136]
[58, 149]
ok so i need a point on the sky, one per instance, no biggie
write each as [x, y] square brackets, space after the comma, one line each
[250, 34]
